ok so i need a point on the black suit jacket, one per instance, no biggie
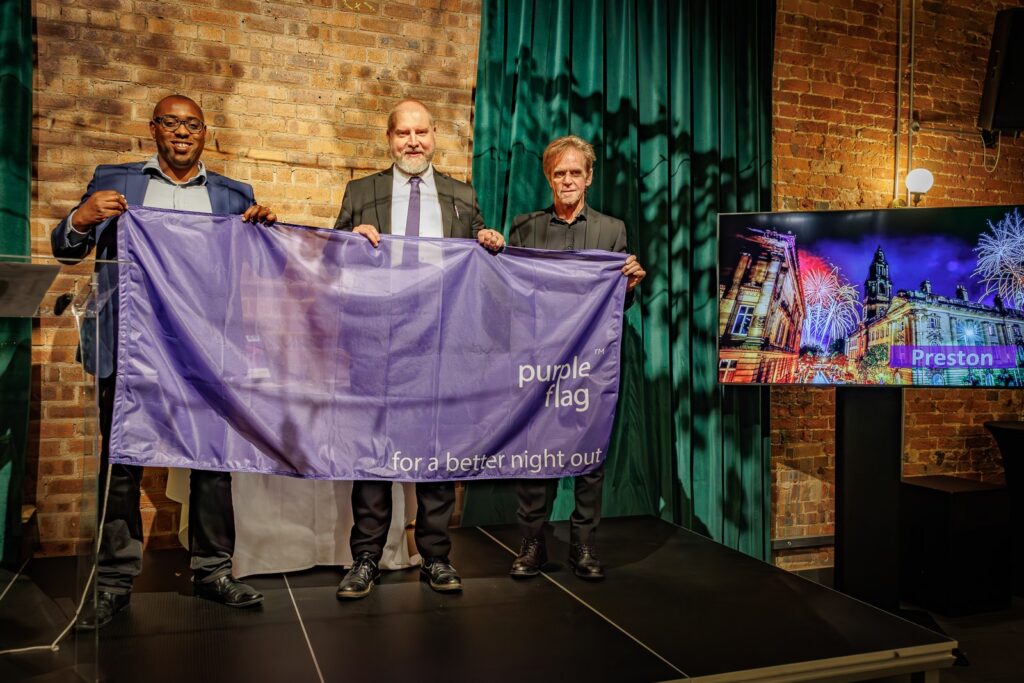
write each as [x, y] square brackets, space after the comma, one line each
[368, 201]
[603, 232]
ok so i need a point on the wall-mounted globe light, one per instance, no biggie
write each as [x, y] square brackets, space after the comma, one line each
[919, 181]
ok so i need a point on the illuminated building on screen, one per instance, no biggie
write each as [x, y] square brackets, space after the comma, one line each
[762, 310]
[926, 319]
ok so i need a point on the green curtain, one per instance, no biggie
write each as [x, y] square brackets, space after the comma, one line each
[676, 98]
[15, 194]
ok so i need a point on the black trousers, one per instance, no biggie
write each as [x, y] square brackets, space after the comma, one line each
[371, 508]
[535, 497]
[211, 516]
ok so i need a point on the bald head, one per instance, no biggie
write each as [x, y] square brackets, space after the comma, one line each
[179, 131]
[411, 136]
[165, 103]
[408, 105]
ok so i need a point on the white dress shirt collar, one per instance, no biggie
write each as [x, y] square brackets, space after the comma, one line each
[427, 176]
[431, 219]
[152, 165]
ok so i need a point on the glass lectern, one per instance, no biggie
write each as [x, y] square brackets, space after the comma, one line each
[49, 463]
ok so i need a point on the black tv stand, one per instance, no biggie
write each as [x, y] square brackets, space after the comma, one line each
[869, 466]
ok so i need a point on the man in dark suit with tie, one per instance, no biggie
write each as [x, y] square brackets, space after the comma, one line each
[568, 224]
[410, 198]
[173, 178]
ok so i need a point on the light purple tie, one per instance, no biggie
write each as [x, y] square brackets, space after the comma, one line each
[412, 222]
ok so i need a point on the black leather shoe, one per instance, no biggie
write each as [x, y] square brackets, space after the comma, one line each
[533, 553]
[227, 590]
[584, 562]
[441, 575]
[94, 617]
[360, 578]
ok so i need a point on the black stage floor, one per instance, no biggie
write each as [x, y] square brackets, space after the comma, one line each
[674, 606]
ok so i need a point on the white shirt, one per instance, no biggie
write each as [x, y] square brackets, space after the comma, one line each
[164, 193]
[431, 224]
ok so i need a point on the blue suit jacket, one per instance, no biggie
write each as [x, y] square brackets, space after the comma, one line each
[227, 197]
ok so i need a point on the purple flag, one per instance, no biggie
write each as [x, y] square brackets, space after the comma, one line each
[308, 352]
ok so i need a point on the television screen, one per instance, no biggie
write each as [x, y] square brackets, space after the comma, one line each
[915, 297]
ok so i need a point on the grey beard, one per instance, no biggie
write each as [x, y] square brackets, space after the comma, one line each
[410, 168]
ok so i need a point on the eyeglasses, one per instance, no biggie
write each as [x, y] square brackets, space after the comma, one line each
[172, 123]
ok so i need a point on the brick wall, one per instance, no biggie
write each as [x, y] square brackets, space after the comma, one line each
[296, 93]
[803, 470]
[944, 434]
[833, 120]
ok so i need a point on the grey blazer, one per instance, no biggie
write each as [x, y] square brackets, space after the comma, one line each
[368, 200]
[603, 232]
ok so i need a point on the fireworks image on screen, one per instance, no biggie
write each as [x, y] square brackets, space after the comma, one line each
[1001, 259]
[833, 305]
[873, 297]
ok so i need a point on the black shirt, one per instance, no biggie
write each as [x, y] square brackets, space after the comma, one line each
[566, 236]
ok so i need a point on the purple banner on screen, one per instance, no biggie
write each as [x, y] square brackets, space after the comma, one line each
[966, 357]
[307, 352]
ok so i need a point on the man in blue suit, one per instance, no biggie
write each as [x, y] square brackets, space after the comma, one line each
[173, 178]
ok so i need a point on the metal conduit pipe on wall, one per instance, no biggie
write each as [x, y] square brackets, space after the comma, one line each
[910, 95]
[899, 102]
